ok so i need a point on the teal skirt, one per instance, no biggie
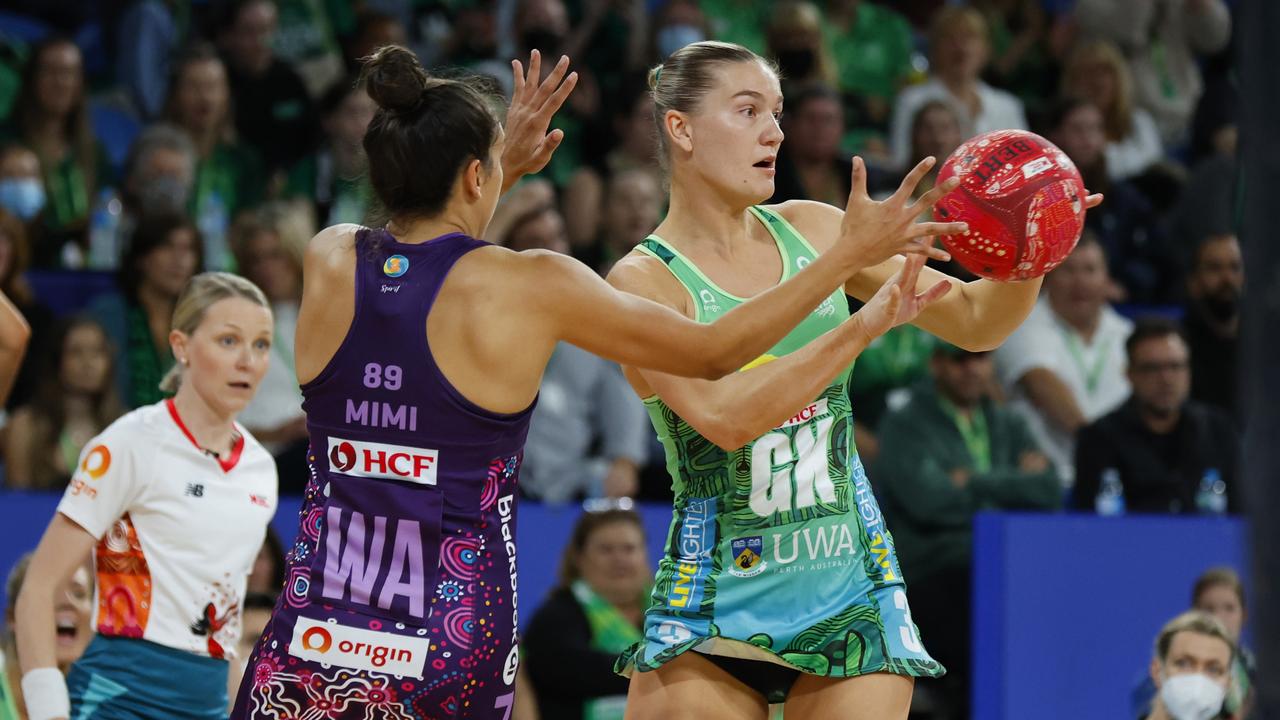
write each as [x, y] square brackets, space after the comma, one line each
[123, 678]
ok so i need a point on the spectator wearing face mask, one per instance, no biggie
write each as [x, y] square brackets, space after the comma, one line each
[797, 44]
[1191, 668]
[159, 174]
[51, 117]
[1212, 320]
[229, 175]
[1220, 593]
[22, 195]
[675, 24]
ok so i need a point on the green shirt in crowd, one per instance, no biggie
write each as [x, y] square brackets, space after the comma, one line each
[921, 445]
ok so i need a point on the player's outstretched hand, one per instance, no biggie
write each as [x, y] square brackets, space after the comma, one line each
[876, 231]
[897, 302]
[534, 101]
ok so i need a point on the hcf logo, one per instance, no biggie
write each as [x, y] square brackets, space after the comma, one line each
[380, 460]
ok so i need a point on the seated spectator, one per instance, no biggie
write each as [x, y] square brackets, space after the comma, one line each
[307, 39]
[1212, 319]
[936, 130]
[1191, 668]
[1162, 42]
[148, 34]
[1172, 454]
[799, 47]
[51, 117]
[1064, 367]
[738, 21]
[159, 179]
[1139, 254]
[959, 50]
[335, 177]
[951, 452]
[14, 256]
[1097, 72]
[632, 209]
[584, 403]
[162, 256]
[273, 110]
[1217, 592]
[73, 615]
[871, 45]
[75, 398]
[676, 23]
[887, 369]
[22, 195]
[269, 253]
[632, 124]
[1020, 60]
[596, 612]
[375, 29]
[810, 163]
[229, 173]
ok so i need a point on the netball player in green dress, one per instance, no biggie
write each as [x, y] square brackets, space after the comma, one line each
[779, 582]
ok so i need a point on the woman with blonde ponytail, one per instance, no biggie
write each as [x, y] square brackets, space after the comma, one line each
[173, 500]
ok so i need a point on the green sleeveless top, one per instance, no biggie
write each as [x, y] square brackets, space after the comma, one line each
[791, 472]
[777, 550]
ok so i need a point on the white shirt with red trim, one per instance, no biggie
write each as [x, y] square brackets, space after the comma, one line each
[178, 529]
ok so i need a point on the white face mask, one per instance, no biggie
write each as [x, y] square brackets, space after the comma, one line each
[1192, 697]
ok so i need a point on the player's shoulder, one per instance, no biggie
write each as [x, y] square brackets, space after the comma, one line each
[332, 246]
[134, 432]
[641, 274]
[817, 222]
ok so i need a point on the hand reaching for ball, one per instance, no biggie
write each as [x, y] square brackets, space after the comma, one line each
[897, 302]
[872, 232]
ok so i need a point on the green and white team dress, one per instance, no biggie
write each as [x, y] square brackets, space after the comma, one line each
[777, 551]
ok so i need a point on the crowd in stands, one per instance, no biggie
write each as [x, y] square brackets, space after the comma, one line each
[142, 141]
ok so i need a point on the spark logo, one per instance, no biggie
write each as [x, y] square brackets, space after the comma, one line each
[97, 462]
[341, 646]
[378, 460]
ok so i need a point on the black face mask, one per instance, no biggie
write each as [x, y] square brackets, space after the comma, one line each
[796, 64]
[547, 42]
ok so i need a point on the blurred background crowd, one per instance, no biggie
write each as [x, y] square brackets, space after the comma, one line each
[142, 141]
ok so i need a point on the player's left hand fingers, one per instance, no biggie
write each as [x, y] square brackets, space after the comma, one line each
[928, 199]
[1093, 201]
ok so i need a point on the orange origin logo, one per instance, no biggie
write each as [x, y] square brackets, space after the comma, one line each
[97, 462]
[317, 639]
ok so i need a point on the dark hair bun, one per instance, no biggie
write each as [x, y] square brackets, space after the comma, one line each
[394, 78]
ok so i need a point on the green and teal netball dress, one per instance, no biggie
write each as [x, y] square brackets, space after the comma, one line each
[777, 551]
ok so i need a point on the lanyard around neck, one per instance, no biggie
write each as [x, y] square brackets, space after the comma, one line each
[1091, 374]
[973, 430]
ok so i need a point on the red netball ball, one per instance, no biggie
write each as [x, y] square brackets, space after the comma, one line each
[1023, 200]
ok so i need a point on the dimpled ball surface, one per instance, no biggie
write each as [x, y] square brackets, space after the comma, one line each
[1023, 200]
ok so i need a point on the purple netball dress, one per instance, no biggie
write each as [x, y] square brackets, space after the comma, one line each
[400, 598]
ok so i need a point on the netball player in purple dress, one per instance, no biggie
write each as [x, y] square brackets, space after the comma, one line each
[420, 350]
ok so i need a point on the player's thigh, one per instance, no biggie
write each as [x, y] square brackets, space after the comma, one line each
[877, 696]
[690, 687]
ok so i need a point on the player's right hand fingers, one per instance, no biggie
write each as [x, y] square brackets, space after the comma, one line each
[913, 179]
[928, 199]
[920, 246]
[930, 229]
